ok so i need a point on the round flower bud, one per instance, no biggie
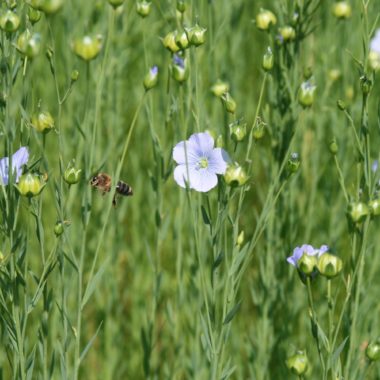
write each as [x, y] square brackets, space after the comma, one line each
[306, 264]
[116, 3]
[151, 78]
[169, 42]
[9, 21]
[298, 363]
[180, 69]
[43, 122]
[34, 15]
[342, 10]
[143, 8]
[229, 102]
[333, 147]
[374, 206]
[88, 47]
[51, 6]
[293, 163]
[238, 131]
[334, 75]
[196, 35]
[357, 211]
[341, 104]
[374, 60]
[373, 351]
[366, 85]
[258, 129]
[219, 88]
[181, 6]
[58, 229]
[329, 265]
[265, 19]
[287, 33]
[30, 185]
[235, 175]
[219, 142]
[268, 60]
[181, 40]
[29, 44]
[74, 76]
[72, 175]
[306, 94]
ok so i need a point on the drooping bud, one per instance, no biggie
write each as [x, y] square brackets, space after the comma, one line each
[265, 19]
[219, 88]
[235, 175]
[74, 76]
[116, 3]
[180, 70]
[298, 363]
[329, 265]
[9, 21]
[306, 94]
[151, 78]
[307, 264]
[29, 44]
[357, 211]
[181, 6]
[288, 33]
[341, 104]
[169, 42]
[373, 351]
[229, 102]
[333, 146]
[342, 10]
[259, 129]
[238, 131]
[42, 122]
[71, 174]
[47, 6]
[34, 15]
[30, 184]
[293, 163]
[268, 60]
[88, 47]
[143, 8]
[196, 35]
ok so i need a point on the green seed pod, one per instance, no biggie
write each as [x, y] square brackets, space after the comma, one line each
[116, 3]
[298, 363]
[74, 76]
[88, 47]
[169, 42]
[72, 175]
[9, 21]
[34, 15]
[373, 351]
[329, 265]
[143, 8]
[366, 85]
[29, 44]
[342, 10]
[258, 129]
[293, 163]
[229, 103]
[151, 78]
[196, 35]
[357, 211]
[220, 88]
[235, 175]
[341, 104]
[265, 19]
[238, 131]
[307, 264]
[306, 94]
[58, 229]
[43, 122]
[333, 147]
[181, 6]
[30, 185]
[268, 60]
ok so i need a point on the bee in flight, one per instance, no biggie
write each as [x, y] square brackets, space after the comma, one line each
[103, 183]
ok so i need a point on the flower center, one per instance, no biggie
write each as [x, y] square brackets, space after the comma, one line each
[203, 163]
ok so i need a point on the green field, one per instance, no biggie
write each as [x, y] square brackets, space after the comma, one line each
[244, 129]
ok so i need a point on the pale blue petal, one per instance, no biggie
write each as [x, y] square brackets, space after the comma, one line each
[181, 151]
[202, 143]
[180, 175]
[203, 180]
[4, 170]
[217, 161]
[19, 159]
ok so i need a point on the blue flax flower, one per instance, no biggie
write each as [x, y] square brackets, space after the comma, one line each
[309, 250]
[19, 159]
[199, 162]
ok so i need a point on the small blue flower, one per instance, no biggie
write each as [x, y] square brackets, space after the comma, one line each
[199, 162]
[375, 43]
[154, 70]
[178, 61]
[19, 159]
[309, 250]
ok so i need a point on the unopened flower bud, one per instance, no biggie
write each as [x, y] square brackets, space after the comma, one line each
[88, 47]
[298, 363]
[169, 42]
[366, 85]
[374, 60]
[258, 129]
[34, 15]
[238, 131]
[196, 35]
[229, 102]
[240, 239]
[71, 174]
[306, 264]
[30, 185]
[219, 143]
[329, 265]
[357, 211]
[29, 44]
[342, 10]
[341, 104]
[116, 3]
[235, 175]
[293, 163]
[181, 6]
[374, 206]
[151, 78]
[58, 229]
[42, 122]
[182, 40]
[268, 60]
[46, 6]
[74, 76]
[143, 8]
[180, 70]
[334, 75]
[307, 72]
[373, 351]
[9, 21]
[287, 33]
[333, 147]
[306, 94]
[265, 19]
[220, 88]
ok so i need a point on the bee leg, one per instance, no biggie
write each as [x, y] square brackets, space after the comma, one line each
[114, 200]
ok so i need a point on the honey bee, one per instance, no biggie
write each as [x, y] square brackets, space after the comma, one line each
[103, 183]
